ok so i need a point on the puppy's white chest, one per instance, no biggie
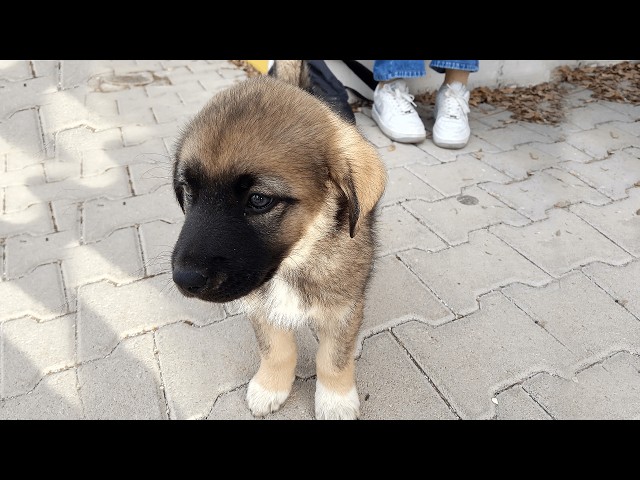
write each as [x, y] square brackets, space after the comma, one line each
[282, 307]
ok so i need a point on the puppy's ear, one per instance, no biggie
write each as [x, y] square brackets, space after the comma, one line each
[357, 169]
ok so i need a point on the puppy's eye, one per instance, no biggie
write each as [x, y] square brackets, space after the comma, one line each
[259, 203]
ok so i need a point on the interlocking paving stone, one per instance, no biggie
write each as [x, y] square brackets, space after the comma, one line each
[500, 338]
[31, 349]
[453, 218]
[560, 309]
[516, 404]
[399, 230]
[543, 191]
[409, 299]
[606, 391]
[55, 398]
[73, 142]
[602, 140]
[399, 155]
[39, 294]
[475, 144]
[113, 183]
[507, 138]
[611, 176]
[384, 370]
[460, 274]
[450, 178]
[591, 115]
[619, 221]
[30, 175]
[57, 171]
[622, 283]
[562, 150]
[561, 243]
[519, 163]
[35, 219]
[104, 216]
[198, 364]
[107, 314]
[126, 385]
[402, 185]
[151, 152]
[158, 239]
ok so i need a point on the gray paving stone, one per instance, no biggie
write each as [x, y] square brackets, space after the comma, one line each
[15, 70]
[57, 171]
[375, 136]
[107, 314]
[151, 152]
[450, 178]
[460, 274]
[472, 358]
[607, 391]
[399, 155]
[101, 217]
[403, 184]
[113, 183]
[169, 113]
[72, 143]
[399, 230]
[519, 163]
[19, 297]
[507, 138]
[592, 114]
[363, 117]
[21, 133]
[32, 349]
[35, 219]
[66, 214]
[611, 176]
[147, 178]
[19, 160]
[619, 221]
[214, 85]
[31, 175]
[195, 95]
[100, 104]
[562, 150]
[516, 404]
[475, 144]
[158, 239]
[602, 140]
[126, 385]
[630, 127]
[136, 134]
[409, 299]
[629, 109]
[299, 406]
[65, 110]
[55, 398]
[453, 218]
[622, 283]
[543, 191]
[46, 68]
[384, 370]
[561, 243]
[16, 96]
[198, 364]
[560, 309]
[557, 133]
[77, 72]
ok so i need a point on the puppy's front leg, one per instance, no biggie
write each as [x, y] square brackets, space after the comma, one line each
[336, 394]
[270, 387]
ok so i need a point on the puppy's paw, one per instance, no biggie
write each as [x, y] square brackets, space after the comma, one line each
[331, 405]
[262, 401]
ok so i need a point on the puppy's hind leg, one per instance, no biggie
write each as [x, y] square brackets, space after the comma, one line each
[271, 385]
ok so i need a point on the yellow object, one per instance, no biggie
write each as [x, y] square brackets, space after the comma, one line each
[261, 65]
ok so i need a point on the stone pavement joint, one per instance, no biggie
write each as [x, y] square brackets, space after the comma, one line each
[506, 284]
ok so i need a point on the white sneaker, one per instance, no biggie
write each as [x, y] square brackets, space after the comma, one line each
[394, 112]
[451, 129]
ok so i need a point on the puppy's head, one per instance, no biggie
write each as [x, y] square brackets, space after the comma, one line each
[252, 170]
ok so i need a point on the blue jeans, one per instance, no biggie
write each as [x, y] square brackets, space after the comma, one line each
[390, 69]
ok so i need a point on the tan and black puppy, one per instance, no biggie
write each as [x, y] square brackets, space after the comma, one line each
[280, 195]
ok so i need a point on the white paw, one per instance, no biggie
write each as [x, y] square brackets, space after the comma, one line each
[262, 401]
[334, 406]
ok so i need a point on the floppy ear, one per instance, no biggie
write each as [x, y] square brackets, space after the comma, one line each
[357, 169]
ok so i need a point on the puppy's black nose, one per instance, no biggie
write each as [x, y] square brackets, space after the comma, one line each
[189, 280]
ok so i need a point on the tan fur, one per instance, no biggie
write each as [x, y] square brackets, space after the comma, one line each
[258, 127]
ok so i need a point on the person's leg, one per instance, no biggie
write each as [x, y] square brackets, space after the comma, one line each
[393, 108]
[451, 128]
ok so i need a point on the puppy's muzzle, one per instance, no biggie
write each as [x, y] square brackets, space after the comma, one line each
[193, 282]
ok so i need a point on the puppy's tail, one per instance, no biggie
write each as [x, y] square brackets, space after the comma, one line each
[295, 72]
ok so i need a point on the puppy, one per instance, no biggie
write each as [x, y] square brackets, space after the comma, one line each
[279, 194]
